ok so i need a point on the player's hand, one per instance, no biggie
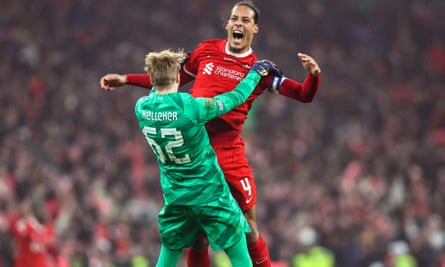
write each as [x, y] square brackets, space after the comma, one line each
[185, 59]
[265, 67]
[309, 64]
[109, 82]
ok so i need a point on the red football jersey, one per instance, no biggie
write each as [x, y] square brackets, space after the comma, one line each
[32, 241]
[216, 70]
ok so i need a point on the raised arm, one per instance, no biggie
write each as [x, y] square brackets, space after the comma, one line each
[304, 92]
[110, 81]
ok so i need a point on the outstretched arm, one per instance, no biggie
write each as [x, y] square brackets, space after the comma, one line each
[304, 92]
[110, 81]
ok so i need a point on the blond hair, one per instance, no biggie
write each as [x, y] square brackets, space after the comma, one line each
[163, 66]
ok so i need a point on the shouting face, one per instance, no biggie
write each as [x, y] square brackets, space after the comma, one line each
[240, 29]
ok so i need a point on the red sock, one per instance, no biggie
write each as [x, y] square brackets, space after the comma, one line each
[259, 253]
[197, 258]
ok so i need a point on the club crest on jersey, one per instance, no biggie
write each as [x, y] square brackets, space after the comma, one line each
[209, 103]
[229, 73]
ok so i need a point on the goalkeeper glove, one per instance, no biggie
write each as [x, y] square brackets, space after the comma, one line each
[265, 67]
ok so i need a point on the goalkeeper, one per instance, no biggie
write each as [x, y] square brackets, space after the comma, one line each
[197, 198]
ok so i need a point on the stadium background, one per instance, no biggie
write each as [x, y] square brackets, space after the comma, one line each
[359, 168]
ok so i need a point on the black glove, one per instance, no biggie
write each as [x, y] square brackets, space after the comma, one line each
[265, 67]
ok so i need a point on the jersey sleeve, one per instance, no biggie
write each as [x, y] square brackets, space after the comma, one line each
[141, 80]
[209, 108]
[14, 226]
[138, 106]
[304, 92]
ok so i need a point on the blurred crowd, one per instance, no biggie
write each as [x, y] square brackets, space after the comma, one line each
[358, 169]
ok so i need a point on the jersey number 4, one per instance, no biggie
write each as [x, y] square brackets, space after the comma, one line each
[166, 153]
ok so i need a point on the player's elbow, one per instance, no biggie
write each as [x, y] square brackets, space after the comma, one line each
[307, 99]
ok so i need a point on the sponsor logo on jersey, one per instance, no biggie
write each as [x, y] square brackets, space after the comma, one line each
[208, 69]
[229, 73]
[220, 105]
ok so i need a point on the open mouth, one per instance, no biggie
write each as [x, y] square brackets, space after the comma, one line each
[237, 35]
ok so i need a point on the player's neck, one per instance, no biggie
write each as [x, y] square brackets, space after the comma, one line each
[162, 90]
[238, 53]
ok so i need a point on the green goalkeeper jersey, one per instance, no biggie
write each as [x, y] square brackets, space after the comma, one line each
[174, 126]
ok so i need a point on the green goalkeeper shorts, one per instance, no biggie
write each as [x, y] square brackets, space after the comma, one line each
[221, 219]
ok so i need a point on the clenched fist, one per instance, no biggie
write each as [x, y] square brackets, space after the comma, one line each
[110, 81]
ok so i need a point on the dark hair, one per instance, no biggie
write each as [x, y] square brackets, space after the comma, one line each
[250, 5]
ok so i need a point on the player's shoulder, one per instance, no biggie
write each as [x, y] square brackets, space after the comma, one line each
[211, 44]
[142, 100]
[189, 102]
[185, 97]
[143, 103]
[213, 41]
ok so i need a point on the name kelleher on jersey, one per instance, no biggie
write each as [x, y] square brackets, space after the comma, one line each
[160, 116]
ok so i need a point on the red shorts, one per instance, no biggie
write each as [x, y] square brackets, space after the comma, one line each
[238, 173]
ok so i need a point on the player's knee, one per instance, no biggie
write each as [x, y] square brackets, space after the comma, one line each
[252, 236]
[250, 214]
[251, 219]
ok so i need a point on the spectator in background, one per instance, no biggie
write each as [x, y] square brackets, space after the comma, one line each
[6, 246]
[33, 234]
